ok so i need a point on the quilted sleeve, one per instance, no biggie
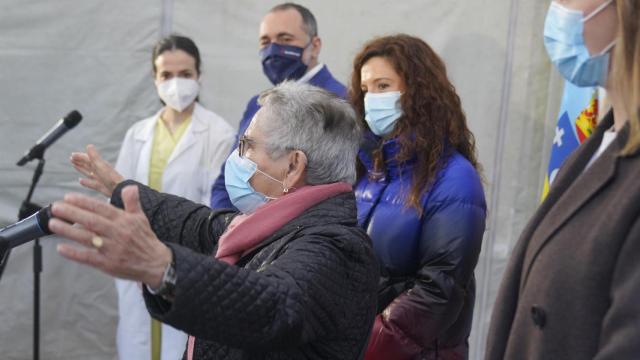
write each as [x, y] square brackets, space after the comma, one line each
[303, 295]
[178, 220]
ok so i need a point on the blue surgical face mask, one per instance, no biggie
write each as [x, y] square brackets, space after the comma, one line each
[381, 111]
[237, 173]
[564, 41]
[282, 62]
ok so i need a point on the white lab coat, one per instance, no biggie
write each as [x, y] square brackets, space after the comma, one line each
[190, 171]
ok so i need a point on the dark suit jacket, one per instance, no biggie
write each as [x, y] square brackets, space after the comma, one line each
[572, 287]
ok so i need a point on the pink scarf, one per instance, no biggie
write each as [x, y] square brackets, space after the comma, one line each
[246, 232]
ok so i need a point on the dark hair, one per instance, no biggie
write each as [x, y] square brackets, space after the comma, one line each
[176, 42]
[433, 123]
[308, 20]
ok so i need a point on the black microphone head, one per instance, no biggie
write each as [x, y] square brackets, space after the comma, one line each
[72, 119]
[43, 217]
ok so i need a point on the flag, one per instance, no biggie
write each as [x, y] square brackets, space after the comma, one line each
[576, 121]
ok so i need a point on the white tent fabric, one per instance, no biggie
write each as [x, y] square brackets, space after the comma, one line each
[94, 56]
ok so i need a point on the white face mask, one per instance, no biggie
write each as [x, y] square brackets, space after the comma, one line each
[178, 93]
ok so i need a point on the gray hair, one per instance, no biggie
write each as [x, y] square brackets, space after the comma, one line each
[308, 20]
[318, 123]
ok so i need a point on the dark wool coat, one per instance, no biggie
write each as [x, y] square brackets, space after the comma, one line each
[572, 287]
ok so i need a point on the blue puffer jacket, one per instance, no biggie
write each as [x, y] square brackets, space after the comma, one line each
[427, 286]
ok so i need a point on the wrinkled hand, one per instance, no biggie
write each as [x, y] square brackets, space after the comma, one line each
[126, 246]
[99, 174]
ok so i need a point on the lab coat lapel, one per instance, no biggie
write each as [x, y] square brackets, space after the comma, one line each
[144, 138]
[189, 138]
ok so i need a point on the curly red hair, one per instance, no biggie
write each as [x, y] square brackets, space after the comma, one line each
[433, 123]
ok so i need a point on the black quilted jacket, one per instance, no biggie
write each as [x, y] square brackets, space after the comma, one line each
[307, 292]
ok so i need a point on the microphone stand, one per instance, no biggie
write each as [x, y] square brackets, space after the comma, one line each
[27, 209]
[5, 250]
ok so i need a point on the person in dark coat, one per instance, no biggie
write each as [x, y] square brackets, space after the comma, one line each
[571, 289]
[291, 277]
[420, 199]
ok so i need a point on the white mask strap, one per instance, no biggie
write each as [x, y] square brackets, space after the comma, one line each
[269, 176]
[609, 47]
[285, 189]
[597, 11]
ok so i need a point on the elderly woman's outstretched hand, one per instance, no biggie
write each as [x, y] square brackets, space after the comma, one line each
[99, 174]
[118, 242]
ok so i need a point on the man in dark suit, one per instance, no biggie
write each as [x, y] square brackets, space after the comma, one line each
[289, 48]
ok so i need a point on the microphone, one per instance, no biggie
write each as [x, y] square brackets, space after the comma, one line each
[35, 226]
[62, 126]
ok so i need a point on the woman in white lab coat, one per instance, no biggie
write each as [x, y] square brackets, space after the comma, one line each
[178, 150]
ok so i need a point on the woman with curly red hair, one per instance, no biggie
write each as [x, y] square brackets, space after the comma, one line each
[420, 198]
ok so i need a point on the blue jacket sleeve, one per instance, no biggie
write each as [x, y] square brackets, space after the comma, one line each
[219, 196]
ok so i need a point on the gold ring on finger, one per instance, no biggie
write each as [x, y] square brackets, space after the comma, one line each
[97, 241]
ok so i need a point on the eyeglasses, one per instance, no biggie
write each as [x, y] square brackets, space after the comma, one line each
[243, 145]
[246, 142]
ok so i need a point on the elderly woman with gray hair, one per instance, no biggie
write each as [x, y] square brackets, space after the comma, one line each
[291, 277]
